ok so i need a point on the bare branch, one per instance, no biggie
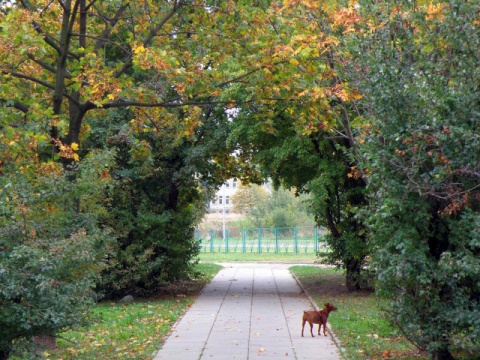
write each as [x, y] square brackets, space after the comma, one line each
[90, 5]
[40, 82]
[175, 103]
[45, 65]
[17, 105]
[30, 78]
[46, 7]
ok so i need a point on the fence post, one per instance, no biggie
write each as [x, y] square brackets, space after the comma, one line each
[276, 240]
[259, 231]
[315, 239]
[212, 236]
[296, 239]
[244, 241]
[226, 240]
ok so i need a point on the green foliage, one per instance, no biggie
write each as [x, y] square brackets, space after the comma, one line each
[156, 201]
[317, 164]
[50, 254]
[422, 150]
[280, 209]
[434, 299]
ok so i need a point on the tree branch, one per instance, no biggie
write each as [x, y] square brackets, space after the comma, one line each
[153, 32]
[38, 81]
[17, 105]
[30, 78]
[45, 65]
[165, 104]
[63, 6]
[108, 27]
[90, 5]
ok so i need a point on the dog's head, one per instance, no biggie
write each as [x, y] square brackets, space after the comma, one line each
[329, 307]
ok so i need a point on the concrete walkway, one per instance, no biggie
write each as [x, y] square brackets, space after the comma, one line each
[248, 311]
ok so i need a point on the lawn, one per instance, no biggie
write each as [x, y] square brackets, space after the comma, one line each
[282, 257]
[131, 331]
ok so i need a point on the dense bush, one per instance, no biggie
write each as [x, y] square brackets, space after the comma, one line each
[157, 198]
[50, 253]
[419, 70]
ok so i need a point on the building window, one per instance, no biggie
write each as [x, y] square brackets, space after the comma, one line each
[227, 184]
[227, 200]
[220, 200]
[234, 185]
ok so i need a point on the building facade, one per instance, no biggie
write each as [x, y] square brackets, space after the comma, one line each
[223, 198]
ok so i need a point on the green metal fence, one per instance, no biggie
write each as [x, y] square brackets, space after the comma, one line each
[306, 239]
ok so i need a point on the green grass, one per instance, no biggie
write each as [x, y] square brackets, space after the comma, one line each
[300, 258]
[358, 323]
[129, 331]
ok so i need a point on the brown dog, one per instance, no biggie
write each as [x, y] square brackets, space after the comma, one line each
[318, 317]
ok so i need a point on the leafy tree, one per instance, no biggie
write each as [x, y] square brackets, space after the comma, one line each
[281, 208]
[305, 137]
[316, 164]
[418, 65]
[247, 198]
[168, 66]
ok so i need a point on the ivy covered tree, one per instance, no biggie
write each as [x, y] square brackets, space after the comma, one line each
[418, 65]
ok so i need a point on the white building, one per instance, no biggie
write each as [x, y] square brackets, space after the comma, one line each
[223, 198]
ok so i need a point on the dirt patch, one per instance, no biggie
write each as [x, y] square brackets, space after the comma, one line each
[179, 289]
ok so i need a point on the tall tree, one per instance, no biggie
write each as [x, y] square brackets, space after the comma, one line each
[64, 66]
[304, 137]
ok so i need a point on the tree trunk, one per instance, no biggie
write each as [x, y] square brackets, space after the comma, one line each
[353, 274]
[442, 355]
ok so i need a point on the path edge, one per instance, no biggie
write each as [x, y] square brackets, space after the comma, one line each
[175, 324]
[330, 331]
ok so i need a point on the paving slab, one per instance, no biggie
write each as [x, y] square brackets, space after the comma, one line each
[248, 311]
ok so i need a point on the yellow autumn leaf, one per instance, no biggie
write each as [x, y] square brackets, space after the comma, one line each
[139, 49]
[294, 62]
[111, 97]
[74, 146]
[76, 157]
